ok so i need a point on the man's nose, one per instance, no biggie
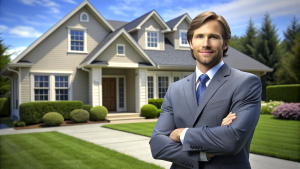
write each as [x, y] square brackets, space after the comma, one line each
[206, 42]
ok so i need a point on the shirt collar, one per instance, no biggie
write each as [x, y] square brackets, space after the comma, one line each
[210, 73]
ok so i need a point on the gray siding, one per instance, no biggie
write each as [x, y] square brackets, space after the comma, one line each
[130, 90]
[25, 85]
[81, 86]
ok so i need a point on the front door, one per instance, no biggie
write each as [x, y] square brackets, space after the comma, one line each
[109, 93]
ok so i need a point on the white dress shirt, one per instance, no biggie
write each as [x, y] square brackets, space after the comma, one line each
[210, 73]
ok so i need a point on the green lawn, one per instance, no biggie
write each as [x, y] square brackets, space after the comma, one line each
[272, 137]
[56, 150]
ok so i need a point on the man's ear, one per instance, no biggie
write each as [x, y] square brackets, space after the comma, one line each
[191, 45]
[225, 45]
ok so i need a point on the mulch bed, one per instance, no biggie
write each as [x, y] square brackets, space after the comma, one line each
[65, 123]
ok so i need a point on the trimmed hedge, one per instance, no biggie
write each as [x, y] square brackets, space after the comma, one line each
[53, 119]
[156, 102]
[33, 112]
[87, 107]
[79, 116]
[98, 113]
[285, 93]
[149, 111]
[4, 106]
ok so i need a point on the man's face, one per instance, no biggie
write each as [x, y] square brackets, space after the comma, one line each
[208, 45]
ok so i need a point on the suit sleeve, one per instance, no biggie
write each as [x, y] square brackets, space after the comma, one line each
[230, 139]
[162, 147]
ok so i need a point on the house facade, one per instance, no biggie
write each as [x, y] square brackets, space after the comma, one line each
[119, 65]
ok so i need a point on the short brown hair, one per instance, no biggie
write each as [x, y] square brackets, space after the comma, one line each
[204, 17]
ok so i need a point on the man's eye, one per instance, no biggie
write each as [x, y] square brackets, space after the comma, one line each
[213, 37]
[199, 36]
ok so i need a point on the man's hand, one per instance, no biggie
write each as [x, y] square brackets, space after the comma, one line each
[175, 135]
[229, 119]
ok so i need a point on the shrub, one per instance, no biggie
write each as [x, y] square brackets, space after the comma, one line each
[33, 112]
[53, 119]
[87, 107]
[268, 107]
[288, 111]
[156, 102]
[19, 124]
[79, 116]
[286, 93]
[98, 113]
[4, 106]
[158, 112]
[149, 111]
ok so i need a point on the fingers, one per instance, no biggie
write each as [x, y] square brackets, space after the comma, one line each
[229, 119]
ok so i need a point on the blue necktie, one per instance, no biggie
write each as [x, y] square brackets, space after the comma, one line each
[201, 87]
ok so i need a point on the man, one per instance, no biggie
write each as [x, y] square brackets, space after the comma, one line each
[188, 132]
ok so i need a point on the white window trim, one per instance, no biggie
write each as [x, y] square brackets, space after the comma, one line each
[117, 92]
[84, 38]
[118, 54]
[51, 93]
[170, 75]
[153, 78]
[180, 38]
[87, 20]
[146, 38]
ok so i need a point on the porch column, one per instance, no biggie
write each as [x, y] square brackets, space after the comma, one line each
[96, 87]
[140, 89]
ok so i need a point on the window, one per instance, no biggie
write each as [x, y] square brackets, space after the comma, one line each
[150, 87]
[41, 88]
[120, 49]
[152, 39]
[84, 17]
[163, 83]
[183, 39]
[175, 79]
[121, 93]
[61, 87]
[77, 40]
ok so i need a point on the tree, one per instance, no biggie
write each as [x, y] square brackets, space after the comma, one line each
[235, 42]
[289, 72]
[249, 40]
[4, 59]
[290, 34]
[267, 51]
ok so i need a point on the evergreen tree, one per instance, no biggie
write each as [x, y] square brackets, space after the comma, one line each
[235, 42]
[4, 59]
[267, 51]
[290, 34]
[249, 40]
[289, 72]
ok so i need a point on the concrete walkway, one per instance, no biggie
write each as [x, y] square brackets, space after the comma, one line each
[138, 146]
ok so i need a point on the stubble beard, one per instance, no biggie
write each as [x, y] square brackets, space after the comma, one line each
[207, 61]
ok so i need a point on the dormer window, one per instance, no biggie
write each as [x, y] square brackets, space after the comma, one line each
[120, 49]
[84, 17]
[152, 39]
[183, 39]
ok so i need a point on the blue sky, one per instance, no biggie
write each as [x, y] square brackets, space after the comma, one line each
[23, 21]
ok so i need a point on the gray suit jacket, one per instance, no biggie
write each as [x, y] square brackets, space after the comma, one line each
[230, 90]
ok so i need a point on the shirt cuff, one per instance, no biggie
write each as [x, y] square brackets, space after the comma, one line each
[202, 156]
[182, 135]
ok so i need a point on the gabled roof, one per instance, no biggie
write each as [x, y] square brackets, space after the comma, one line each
[107, 41]
[117, 24]
[87, 4]
[172, 58]
[137, 23]
[174, 23]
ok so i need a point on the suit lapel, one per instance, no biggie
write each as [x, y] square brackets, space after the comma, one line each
[190, 95]
[218, 80]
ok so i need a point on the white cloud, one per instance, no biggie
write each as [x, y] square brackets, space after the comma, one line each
[25, 32]
[28, 2]
[3, 28]
[70, 1]
[15, 52]
[50, 4]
